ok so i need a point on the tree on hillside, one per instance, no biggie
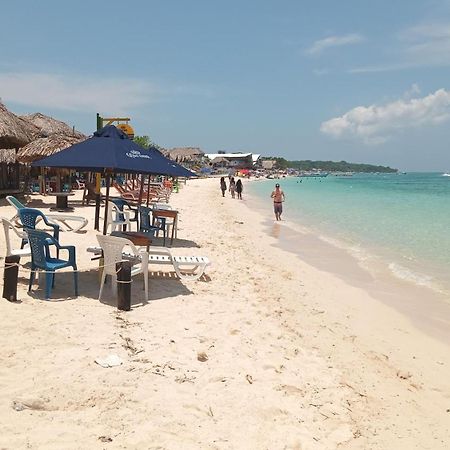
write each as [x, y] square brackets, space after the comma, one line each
[146, 142]
[143, 141]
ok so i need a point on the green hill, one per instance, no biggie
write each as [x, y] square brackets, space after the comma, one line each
[330, 166]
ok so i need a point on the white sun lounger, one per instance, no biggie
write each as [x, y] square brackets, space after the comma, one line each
[53, 218]
[186, 267]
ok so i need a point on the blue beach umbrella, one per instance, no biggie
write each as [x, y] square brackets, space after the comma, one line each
[111, 151]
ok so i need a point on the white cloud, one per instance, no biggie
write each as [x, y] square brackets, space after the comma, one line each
[376, 124]
[334, 41]
[76, 93]
[425, 45]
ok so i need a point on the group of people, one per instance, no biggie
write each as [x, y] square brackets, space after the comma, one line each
[235, 187]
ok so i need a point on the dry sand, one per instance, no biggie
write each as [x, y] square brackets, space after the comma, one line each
[267, 352]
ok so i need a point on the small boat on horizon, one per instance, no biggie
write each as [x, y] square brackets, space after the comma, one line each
[313, 174]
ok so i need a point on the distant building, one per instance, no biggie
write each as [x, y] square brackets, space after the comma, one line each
[268, 164]
[185, 154]
[233, 160]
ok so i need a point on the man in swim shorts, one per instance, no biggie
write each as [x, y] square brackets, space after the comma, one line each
[278, 199]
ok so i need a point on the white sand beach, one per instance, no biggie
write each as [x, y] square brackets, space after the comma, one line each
[266, 352]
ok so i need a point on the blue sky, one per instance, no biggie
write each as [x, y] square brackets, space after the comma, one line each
[351, 80]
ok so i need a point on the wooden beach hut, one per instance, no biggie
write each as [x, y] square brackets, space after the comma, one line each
[15, 132]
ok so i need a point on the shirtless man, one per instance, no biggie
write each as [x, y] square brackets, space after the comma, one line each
[278, 199]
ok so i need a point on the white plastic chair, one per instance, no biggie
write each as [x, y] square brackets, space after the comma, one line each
[7, 226]
[117, 218]
[112, 247]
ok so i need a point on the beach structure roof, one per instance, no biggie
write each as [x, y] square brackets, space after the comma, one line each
[255, 157]
[48, 125]
[15, 132]
[47, 146]
[7, 155]
[227, 156]
[184, 153]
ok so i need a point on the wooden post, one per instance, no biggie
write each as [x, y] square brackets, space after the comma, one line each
[105, 220]
[123, 269]
[148, 191]
[10, 276]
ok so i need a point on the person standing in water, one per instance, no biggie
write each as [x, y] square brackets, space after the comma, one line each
[239, 189]
[278, 199]
[223, 186]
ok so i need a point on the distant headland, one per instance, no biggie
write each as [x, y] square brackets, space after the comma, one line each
[329, 166]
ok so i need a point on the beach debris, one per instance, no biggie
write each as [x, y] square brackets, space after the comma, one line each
[404, 375]
[249, 378]
[202, 357]
[184, 379]
[130, 346]
[110, 361]
[237, 221]
[104, 439]
[38, 405]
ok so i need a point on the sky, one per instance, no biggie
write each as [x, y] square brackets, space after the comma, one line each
[354, 80]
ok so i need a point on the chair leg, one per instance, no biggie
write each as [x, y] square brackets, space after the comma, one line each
[48, 284]
[30, 284]
[75, 281]
[145, 273]
[102, 283]
[114, 285]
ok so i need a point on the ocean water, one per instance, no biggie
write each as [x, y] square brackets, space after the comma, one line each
[399, 220]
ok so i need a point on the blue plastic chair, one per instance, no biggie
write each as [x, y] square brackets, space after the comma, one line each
[121, 204]
[29, 217]
[145, 223]
[42, 259]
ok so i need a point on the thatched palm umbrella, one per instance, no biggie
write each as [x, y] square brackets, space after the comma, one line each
[46, 146]
[48, 125]
[14, 131]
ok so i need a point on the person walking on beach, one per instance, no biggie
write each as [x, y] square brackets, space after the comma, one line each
[232, 186]
[223, 186]
[278, 199]
[239, 189]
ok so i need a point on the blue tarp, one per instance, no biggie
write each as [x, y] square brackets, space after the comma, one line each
[111, 149]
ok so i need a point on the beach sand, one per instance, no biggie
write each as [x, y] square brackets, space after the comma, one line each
[266, 352]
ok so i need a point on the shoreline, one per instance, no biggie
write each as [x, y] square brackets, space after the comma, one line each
[374, 276]
[308, 360]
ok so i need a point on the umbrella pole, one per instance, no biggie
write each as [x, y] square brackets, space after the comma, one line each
[141, 190]
[105, 220]
[148, 191]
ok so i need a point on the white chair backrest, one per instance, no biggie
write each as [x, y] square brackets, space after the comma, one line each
[112, 247]
[112, 212]
[7, 225]
[161, 206]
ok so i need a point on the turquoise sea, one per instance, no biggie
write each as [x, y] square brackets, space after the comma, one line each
[399, 220]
